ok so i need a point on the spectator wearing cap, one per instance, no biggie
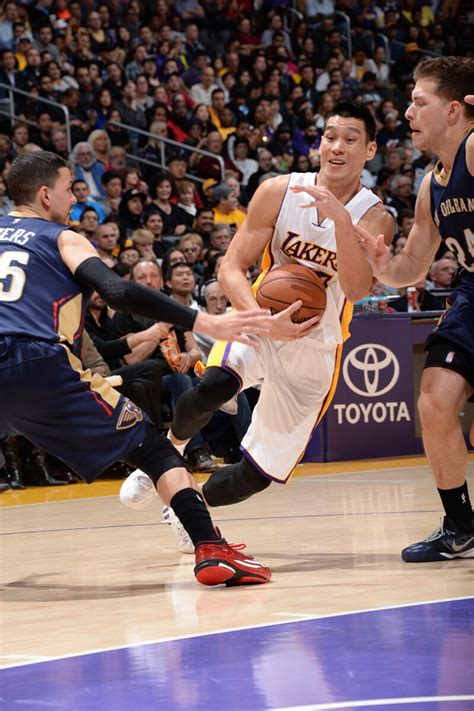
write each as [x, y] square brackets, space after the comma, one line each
[225, 207]
[406, 67]
[88, 168]
[391, 133]
[81, 192]
[369, 89]
[131, 210]
[22, 44]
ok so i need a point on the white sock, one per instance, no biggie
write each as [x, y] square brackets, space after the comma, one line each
[179, 447]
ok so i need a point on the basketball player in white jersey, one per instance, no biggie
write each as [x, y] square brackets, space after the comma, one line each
[295, 367]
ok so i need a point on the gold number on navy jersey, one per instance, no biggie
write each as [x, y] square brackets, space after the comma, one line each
[455, 247]
[12, 277]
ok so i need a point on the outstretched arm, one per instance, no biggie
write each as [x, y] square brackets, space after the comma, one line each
[82, 260]
[413, 262]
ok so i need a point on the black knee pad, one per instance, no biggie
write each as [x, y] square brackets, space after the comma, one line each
[215, 387]
[155, 456]
[234, 483]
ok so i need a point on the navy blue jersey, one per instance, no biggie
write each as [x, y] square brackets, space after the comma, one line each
[452, 209]
[39, 297]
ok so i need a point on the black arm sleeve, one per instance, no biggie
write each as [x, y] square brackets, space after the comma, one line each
[133, 298]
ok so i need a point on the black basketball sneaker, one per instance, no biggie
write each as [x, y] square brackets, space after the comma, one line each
[447, 542]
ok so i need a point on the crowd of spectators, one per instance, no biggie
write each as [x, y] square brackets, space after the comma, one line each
[248, 84]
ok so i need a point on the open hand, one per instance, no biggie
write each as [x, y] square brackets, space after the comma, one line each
[324, 200]
[376, 251]
[235, 326]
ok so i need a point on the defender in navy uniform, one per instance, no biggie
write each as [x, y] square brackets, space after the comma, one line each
[441, 118]
[47, 273]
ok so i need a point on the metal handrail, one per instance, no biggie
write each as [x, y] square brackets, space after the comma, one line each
[347, 20]
[14, 90]
[295, 15]
[168, 141]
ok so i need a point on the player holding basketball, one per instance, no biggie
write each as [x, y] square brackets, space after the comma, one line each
[296, 367]
[441, 118]
[47, 273]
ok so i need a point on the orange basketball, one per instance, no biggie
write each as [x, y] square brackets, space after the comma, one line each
[284, 285]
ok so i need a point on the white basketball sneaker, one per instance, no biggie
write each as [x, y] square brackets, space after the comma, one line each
[185, 544]
[137, 491]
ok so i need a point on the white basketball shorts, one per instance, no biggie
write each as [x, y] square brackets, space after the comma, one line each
[296, 384]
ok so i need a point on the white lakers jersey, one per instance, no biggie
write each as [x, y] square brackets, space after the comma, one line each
[300, 237]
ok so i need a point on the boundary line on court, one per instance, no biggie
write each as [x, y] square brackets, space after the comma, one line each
[226, 630]
[374, 702]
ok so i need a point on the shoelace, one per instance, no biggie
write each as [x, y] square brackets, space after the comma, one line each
[438, 533]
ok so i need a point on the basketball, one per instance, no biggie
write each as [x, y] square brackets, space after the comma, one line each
[284, 285]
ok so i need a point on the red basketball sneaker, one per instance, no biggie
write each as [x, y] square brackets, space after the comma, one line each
[219, 563]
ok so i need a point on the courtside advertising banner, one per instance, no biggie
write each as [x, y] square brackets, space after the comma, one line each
[373, 410]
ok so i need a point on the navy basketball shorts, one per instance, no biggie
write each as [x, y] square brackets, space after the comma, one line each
[451, 345]
[47, 397]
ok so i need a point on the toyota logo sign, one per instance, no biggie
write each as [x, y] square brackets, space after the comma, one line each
[371, 370]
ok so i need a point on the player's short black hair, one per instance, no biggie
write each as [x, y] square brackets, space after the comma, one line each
[357, 110]
[172, 268]
[30, 172]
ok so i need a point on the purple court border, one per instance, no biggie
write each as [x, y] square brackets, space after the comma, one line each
[416, 656]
